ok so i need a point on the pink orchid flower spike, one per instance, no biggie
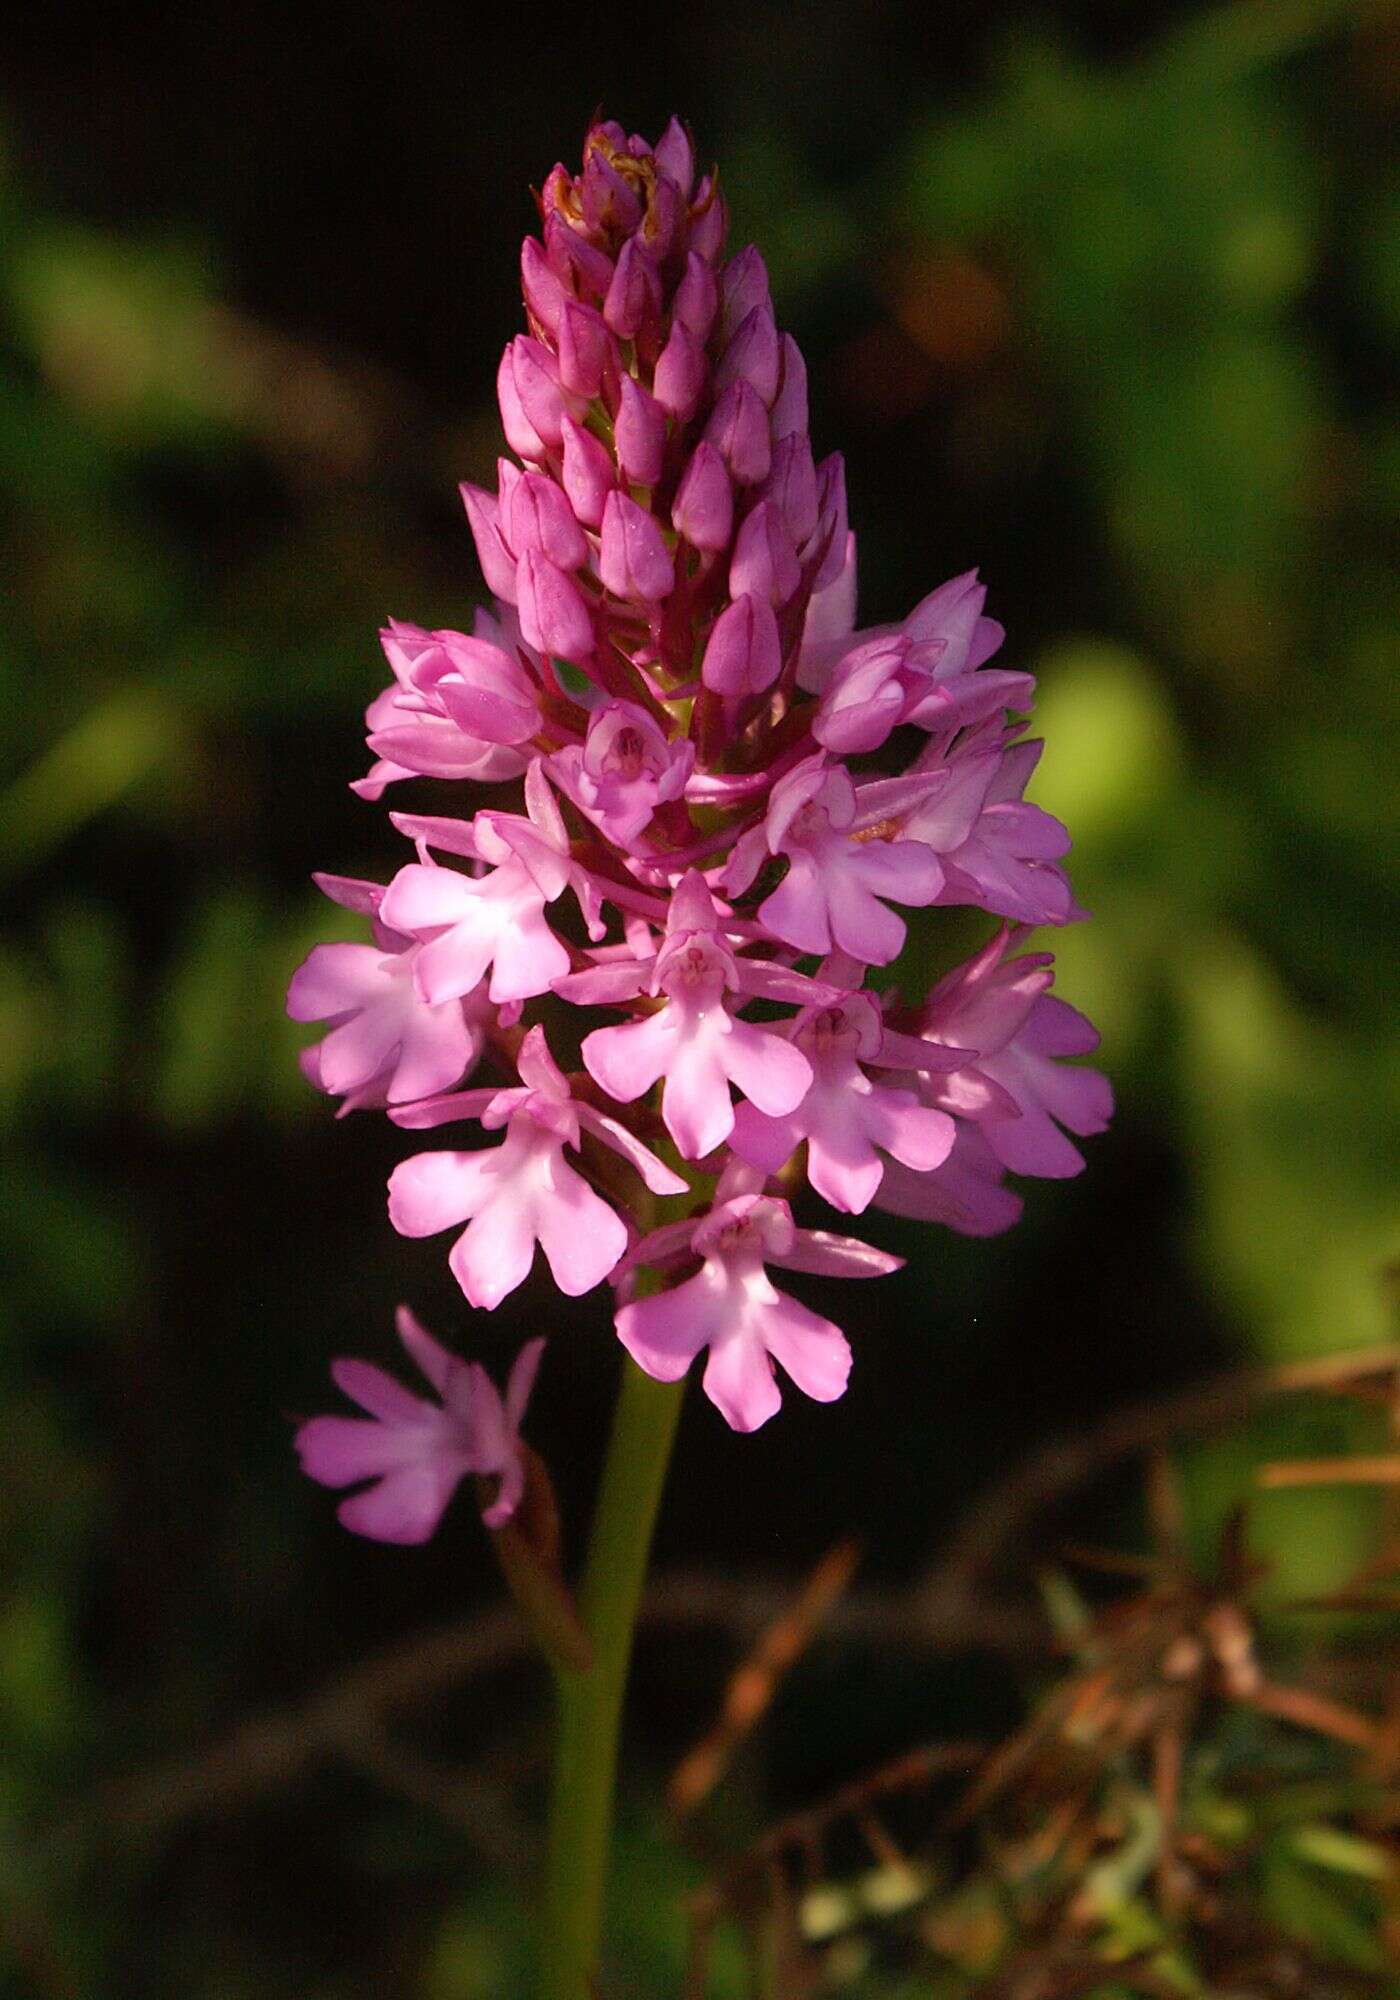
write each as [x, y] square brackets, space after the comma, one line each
[734, 796]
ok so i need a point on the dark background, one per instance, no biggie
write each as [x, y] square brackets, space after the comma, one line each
[1101, 299]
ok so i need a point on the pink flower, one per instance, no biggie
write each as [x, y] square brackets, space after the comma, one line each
[460, 707]
[933, 657]
[847, 1119]
[416, 1452]
[830, 896]
[997, 851]
[523, 1192]
[625, 768]
[469, 925]
[731, 1307]
[386, 1045]
[964, 1194]
[694, 1042]
[1000, 1007]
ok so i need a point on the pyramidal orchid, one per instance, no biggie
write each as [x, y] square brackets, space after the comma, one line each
[691, 807]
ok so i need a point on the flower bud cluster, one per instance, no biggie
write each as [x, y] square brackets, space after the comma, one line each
[730, 794]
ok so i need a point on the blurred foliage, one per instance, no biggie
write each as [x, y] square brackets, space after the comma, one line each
[1150, 1830]
[1124, 328]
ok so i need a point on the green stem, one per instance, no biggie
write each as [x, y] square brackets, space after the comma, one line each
[590, 1704]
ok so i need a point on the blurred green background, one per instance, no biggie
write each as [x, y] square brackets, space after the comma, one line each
[1103, 299]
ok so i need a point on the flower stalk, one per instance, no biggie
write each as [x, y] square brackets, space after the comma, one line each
[590, 1703]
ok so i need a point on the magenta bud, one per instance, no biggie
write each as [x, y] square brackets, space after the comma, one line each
[497, 563]
[584, 349]
[738, 429]
[697, 297]
[753, 355]
[709, 219]
[537, 516]
[569, 253]
[675, 156]
[665, 206]
[704, 505]
[521, 435]
[743, 285]
[640, 431]
[508, 477]
[634, 295]
[537, 385]
[633, 559]
[765, 562]
[792, 486]
[589, 475]
[544, 291]
[743, 655]
[607, 202]
[832, 527]
[553, 617]
[789, 412]
[680, 373]
[555, 193]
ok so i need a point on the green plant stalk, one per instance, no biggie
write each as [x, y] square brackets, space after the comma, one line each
[590, 1703]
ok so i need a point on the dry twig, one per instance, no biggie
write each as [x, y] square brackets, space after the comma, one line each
[1067, 1463]
[753, 1685]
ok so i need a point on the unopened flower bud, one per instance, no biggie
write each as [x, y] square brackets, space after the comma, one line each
[743, 285]
[497, 562]
[665, 207]
[508, 477]
[703, 511]
[640, 430]
[634, 296]
[789, 413]
[553, 617]
[765, 562]
[709, 220]
[744, 654]
[738, 429]
[680, 373]
[538, 516]
[753, 354]
[569, 253]
[585, 349]
[589, 474]
[792, 486]
[832, 527]
[675, 156]
[521, 435]
[545, 293]
[536, 376]
[608, 203]
[633, 559]
[697, 297]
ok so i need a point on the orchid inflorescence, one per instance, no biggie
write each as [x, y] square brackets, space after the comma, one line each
[726, 788]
